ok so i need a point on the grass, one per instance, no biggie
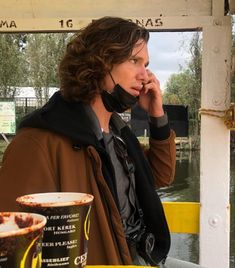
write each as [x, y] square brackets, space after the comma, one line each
[3, 146]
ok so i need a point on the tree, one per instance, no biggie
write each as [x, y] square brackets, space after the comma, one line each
[177, 88]
[12, 64]
[43, 55]
[185, 88]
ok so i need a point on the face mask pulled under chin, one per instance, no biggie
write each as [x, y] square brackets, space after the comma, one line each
[119, 100]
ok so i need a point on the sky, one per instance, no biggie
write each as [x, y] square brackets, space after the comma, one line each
[167, 52]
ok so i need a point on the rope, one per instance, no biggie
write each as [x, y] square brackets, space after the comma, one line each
[212, 112]
[228, 116]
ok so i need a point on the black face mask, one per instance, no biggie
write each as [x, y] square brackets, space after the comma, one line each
[119, 100]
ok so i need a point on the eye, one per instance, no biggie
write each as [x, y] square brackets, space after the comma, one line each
[134, 60]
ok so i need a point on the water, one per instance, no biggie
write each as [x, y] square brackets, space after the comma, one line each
[186, 187]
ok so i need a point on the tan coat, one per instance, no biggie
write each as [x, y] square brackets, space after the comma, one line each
[58, 167]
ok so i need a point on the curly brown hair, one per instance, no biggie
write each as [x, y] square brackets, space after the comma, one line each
[93, 51]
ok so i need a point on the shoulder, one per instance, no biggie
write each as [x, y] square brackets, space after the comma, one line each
[36, 134]
[34, 139]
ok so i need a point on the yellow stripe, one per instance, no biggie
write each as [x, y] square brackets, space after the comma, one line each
[87, 224]
[182, 217]
[118, 266]
[34, 264]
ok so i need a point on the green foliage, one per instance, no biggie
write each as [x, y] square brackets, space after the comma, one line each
[177, 88]
[30, 60]
[184, 88]
[12, 64]
[3, 146]
[43, 53]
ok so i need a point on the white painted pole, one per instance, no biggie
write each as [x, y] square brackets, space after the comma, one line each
[215, 147]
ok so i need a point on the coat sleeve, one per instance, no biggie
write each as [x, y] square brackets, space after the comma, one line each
[25, 169]
[162, 158]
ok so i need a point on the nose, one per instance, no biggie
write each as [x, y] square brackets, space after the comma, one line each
[144, 74]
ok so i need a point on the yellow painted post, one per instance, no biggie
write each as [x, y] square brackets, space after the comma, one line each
[182, 217]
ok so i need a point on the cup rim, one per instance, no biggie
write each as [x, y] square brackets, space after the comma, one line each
[30, 199]
[21, 231]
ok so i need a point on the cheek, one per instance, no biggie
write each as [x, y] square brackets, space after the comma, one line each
[108, 83]
[123, 78]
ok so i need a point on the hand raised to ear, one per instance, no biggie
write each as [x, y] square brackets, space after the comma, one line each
[150, 98]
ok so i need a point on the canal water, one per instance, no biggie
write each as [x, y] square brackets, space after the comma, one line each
[186, 187]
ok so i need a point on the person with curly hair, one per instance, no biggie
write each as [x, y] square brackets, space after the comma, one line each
[78, 142]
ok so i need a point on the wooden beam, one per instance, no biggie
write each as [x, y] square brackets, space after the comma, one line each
[72, 24]
[218, 8]
[232, 7]
[13, 9]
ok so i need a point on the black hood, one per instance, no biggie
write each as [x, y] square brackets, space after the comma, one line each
[63, 117]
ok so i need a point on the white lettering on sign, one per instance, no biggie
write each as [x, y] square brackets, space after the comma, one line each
[65, 243]
[66, 227]
[7, 24]
[49, 228]
[62, 259]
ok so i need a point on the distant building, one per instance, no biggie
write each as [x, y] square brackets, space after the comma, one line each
[29, 92]
[26, 97]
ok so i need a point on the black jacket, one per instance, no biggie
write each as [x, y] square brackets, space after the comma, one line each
[70, 119]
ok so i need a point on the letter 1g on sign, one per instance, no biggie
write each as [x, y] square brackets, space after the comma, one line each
[66, 23]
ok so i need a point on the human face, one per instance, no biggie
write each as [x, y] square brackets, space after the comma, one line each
[131, 74]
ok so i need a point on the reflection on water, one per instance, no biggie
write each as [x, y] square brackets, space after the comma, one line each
[186, 187]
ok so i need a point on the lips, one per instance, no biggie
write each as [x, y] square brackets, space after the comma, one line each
[137, 90]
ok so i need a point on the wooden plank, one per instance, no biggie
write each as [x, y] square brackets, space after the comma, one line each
[182, 217]
[218, 8]
[98, 8]
[215, 148]
[71, 24]
[232, 6]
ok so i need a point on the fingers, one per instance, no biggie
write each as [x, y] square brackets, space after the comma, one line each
[152, 83]
[153, 78]
[150, 96]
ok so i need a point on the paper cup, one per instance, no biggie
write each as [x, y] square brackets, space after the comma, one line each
[66, 234]
[21, 239]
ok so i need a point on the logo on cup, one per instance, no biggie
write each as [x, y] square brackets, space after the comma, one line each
[81, 260]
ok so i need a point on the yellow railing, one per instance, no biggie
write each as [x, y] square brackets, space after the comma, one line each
[119, 266]
[182, 217]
